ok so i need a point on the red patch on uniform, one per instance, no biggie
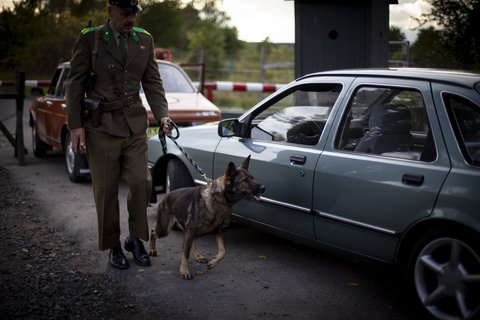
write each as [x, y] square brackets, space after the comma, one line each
[142, 47]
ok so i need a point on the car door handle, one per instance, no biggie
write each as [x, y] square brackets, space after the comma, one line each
[297, 159]
[49, 103]
[412, 178]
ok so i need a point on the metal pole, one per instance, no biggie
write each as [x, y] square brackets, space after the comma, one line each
[263, 60]
[20, 88]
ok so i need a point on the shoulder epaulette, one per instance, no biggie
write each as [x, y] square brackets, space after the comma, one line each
[88, 30]
[142, 31]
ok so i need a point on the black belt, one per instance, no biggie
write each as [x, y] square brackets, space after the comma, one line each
[120, 104]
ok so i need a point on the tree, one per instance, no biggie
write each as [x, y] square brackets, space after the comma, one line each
[459, 21]
[210, 40]
[429, 51]
[36, 37]
[38, 34]
[396, 34]
[213, 37]
[164, 21]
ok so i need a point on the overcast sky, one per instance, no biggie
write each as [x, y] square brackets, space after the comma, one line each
[258, 19]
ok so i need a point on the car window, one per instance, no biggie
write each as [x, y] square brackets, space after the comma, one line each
[62, 88]
[465, 118]
[174, 80]
[299, 117]
[391, 122]
[53, 83]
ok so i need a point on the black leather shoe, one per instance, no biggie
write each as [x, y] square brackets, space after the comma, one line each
[117, 258]
[135, 246]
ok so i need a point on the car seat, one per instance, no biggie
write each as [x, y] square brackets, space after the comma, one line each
[389, 130]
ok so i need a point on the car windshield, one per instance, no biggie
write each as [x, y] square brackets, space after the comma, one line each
[174, 80]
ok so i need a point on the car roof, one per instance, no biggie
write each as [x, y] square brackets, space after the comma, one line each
[465, 78]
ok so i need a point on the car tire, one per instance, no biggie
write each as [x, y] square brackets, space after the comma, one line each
[177, 176]
[443, 272]
[75, 163]
[39, 147]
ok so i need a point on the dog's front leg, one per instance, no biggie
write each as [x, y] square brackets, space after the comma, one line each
[221, 250]
[198, 257]
[187, 245]
[153, 240]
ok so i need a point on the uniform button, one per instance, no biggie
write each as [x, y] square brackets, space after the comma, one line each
[126, 93]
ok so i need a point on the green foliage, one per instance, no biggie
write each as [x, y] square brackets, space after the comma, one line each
[207, 43]
[459, 22]
[36, 39]
[429, 51]
[164, 21]
[396, 34]
[38, 34]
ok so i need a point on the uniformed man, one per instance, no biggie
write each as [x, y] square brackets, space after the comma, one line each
[117, 147]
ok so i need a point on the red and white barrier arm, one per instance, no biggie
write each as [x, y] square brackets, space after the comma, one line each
[246, 87]
[28, 83]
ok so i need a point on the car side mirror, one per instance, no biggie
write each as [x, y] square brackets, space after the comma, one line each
[37, 92]
[228, 127]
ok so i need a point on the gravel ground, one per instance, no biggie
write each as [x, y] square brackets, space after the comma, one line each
[43, 274]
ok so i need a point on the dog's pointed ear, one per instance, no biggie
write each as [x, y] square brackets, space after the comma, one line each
[230, 173]
[245, 163]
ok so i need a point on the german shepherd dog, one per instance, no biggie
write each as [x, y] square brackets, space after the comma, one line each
[204, 209]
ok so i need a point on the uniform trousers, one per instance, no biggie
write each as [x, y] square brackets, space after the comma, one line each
[110, 159]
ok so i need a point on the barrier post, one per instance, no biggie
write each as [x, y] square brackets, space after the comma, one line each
[20, 88]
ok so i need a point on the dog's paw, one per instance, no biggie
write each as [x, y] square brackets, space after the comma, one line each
[212, 263]
[152, 253]
[201, 259]
[186, 275]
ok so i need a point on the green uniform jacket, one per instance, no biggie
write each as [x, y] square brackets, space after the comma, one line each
[140, 66]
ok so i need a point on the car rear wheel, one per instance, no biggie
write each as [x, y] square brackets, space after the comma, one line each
[39, 147]
[444, 273]
[76, 164]
[177, 176]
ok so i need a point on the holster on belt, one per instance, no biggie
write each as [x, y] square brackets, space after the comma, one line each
[92, 110]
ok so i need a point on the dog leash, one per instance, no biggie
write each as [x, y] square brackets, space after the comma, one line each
[161, 137]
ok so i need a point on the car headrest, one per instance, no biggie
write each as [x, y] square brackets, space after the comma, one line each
[390, 119]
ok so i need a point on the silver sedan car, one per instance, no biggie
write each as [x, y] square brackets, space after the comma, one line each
[379, 163]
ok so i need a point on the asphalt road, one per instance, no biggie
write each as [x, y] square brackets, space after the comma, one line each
[262, 276]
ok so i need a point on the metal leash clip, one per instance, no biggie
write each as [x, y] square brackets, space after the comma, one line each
[161, 137]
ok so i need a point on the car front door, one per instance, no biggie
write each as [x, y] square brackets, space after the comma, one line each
[382, 167]
[285, 139]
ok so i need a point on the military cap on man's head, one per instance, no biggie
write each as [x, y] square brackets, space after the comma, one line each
[127, 5]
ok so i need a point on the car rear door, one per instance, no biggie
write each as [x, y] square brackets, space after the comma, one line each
[368, 188]
[287, 133]
[43, 107]
[55, 110]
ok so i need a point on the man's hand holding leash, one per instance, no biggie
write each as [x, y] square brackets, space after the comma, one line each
[165, 124]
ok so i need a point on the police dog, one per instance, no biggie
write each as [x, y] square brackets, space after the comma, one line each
[204, 209]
